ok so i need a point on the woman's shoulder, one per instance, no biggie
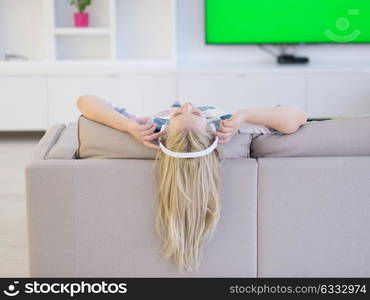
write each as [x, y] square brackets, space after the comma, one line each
[214, 112]
[215, 115]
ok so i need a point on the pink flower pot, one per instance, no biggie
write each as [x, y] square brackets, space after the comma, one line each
[81, 19]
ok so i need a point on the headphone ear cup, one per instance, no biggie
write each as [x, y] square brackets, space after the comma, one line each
[211, 126]
[163, 127]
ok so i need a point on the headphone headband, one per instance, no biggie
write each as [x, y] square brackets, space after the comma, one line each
[188, 154]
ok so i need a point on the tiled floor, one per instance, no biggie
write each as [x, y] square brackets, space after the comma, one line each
[15, 150]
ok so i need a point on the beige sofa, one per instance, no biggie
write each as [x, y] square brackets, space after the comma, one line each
[292, 206]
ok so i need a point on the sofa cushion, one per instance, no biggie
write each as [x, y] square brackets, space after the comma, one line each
[97, 140]
[341, 137]
[66, 145]
[47, 141]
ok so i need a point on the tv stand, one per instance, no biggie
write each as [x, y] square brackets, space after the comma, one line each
[284, 59]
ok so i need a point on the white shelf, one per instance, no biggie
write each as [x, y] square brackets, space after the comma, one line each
[82, 47]
[270, 66]
[87, 67]
[82, 31]
[119, 30]
[165, 66]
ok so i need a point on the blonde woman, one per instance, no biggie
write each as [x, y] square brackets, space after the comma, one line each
[186, 137]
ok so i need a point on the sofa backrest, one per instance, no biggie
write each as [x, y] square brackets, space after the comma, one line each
[100, 141]
[342, 137]
[89, 139]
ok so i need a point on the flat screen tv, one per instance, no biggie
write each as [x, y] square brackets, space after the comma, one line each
[287, 21]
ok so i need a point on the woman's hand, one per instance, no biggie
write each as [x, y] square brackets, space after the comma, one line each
[228, 128]
[142, 129]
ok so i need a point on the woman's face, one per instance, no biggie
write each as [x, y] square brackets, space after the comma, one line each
[188, 115]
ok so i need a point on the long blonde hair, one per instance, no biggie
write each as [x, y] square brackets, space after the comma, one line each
[188, 207]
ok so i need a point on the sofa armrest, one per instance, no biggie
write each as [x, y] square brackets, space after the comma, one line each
[50, 199]
[48, 140]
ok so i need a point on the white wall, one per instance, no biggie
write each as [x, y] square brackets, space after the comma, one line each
[191, 46]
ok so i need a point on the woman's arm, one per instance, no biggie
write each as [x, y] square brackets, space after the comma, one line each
[96, 109]
[284, 119]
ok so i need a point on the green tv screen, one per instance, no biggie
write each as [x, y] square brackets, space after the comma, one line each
[287, 21]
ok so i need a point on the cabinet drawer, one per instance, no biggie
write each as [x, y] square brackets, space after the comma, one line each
[23, 103]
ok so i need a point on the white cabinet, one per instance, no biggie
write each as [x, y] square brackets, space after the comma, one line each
[139, 94]
[32, 102]
[225, 91]
[23, 103]
[235, 91]
[338, 94]
[63, 92]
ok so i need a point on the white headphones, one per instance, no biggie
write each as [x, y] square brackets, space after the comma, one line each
[189, 154]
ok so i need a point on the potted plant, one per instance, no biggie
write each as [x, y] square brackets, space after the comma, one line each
[81, 18]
